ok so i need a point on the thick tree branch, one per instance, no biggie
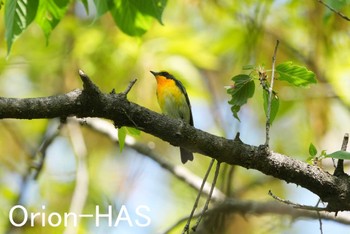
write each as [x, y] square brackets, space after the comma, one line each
[93, 103]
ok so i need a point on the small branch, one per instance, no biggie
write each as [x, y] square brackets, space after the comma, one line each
[131, 84]
[242, 207]
[217, 169]
[296, 205]
[50, 136]
[334, 10]
[268, 115]
[339, 170]
[320, 221]
[187, 226]
[272, 207]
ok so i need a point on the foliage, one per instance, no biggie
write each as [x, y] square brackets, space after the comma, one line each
[339, 154]
[242, 90]
[133, 17]
[244, 85]
[295, 75]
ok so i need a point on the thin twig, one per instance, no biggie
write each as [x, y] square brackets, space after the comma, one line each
[320, 221]
[187, 226]
[334, 10]
[298, 206]
[131, 84]
[268, 115]
[50, 136]
[339, 170]
[217, 169]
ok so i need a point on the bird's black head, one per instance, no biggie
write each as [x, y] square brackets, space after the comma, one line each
[163, 73]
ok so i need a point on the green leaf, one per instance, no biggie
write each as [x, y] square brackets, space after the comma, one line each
[49, 14]
[18, 15]
[339, 155]
[103, 6]
[242, 90]
[86, 5]
[133, 131]
[135, 17]
[121, 137]
[248, 67]
[295, 75]
[275, 103]
[312, 150]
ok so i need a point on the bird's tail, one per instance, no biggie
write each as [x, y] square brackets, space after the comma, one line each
[185, 155]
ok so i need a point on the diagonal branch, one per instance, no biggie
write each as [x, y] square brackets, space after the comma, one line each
[81, 103]
[335, 11]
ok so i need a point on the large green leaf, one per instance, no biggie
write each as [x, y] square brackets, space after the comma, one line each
[339, 155]
[275, 103]
[135, 17]
[240, 92]
[295, 75]
[18, 15]
[103, 6]
[50, 13]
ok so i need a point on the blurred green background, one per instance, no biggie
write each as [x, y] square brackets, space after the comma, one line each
[204, 44]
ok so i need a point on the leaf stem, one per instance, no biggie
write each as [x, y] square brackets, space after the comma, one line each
[268, 114]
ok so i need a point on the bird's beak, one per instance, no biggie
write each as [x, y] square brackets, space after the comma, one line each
[154, 73]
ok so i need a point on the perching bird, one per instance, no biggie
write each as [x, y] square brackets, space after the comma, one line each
[173, 101]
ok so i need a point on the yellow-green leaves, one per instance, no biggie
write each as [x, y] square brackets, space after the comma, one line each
[313, 157]
[133, 17]
[50, 13]
[240, 92]
[295, 75]
[340, 154]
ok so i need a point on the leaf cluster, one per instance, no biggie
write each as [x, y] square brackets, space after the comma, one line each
[133, 17]
[244, 85]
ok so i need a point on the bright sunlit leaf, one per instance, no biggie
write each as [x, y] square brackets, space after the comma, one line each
[49, 14]
[295, 75]
[121, 137]
[133, 131]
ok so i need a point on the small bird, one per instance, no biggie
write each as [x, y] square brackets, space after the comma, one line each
[173, 101]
